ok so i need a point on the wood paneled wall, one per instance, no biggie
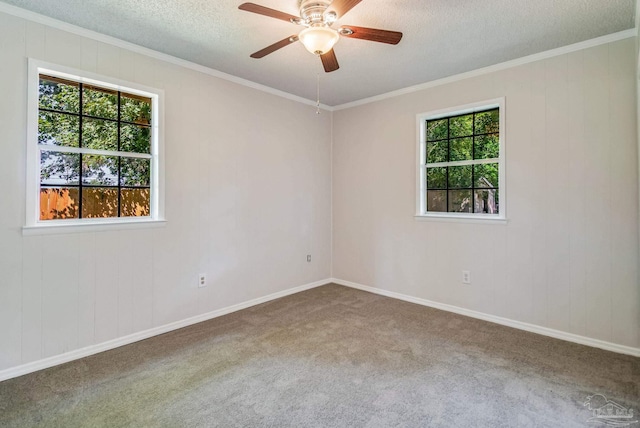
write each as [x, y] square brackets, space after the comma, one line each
[248, 196]
[568, 257]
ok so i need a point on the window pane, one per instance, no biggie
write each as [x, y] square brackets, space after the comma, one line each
[487, 122]
[135, 108]
[459, 176]
[58, 94]
[58, 129]
[486, 201]
[99, 202]
[461, 126]
[437, 152]
[437, 200]
[487, 146]
[436, 129]
[135, 139]
[99, 102]
[460, 149]
[59, 168]
[99, 134]
[99, 170]
[486, 175]
[135, 203]
[460, 201]
[58, 203]
[135, 172]
[437, 178]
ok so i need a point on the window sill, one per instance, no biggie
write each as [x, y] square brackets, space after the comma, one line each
[89, 226]
[449, 218]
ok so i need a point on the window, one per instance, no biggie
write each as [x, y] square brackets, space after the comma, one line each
[461, 167]
[94, 150]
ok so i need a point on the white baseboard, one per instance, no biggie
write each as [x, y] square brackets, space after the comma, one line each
[135, 337]
[570, 337]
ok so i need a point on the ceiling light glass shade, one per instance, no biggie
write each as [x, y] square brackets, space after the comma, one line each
[318, 40]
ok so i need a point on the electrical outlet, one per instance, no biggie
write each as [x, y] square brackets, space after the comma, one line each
[309, 258]
[466, 277]
[202, 280]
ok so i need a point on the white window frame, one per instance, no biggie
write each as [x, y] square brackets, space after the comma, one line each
[421, 182]
[33, 224]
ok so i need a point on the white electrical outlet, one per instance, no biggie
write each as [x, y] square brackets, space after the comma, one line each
[466, 277]
[309, 258]
[202, 280]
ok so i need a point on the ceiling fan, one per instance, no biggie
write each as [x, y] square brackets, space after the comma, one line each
[318, 37]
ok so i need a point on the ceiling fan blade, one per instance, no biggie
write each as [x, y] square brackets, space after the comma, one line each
[261, 10]
[340, 7]
[274, 47]
[373, 34]
[329, 61]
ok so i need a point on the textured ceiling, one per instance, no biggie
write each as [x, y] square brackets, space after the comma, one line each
[441, 37]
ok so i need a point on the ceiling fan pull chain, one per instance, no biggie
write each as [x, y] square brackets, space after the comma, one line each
[318, 93]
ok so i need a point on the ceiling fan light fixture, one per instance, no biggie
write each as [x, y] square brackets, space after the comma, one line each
[319, 40]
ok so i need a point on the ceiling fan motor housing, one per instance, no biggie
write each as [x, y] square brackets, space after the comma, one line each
[312, 12]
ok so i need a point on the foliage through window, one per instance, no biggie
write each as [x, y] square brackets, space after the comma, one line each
[95, 150]
[461, 163]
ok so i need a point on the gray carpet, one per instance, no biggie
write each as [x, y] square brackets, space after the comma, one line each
[328, 357]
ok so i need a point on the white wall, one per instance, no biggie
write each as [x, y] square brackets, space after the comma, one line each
[248, 195]
[568, 257]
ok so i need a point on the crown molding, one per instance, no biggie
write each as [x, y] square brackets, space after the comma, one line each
[609, 38]
[94, 35]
